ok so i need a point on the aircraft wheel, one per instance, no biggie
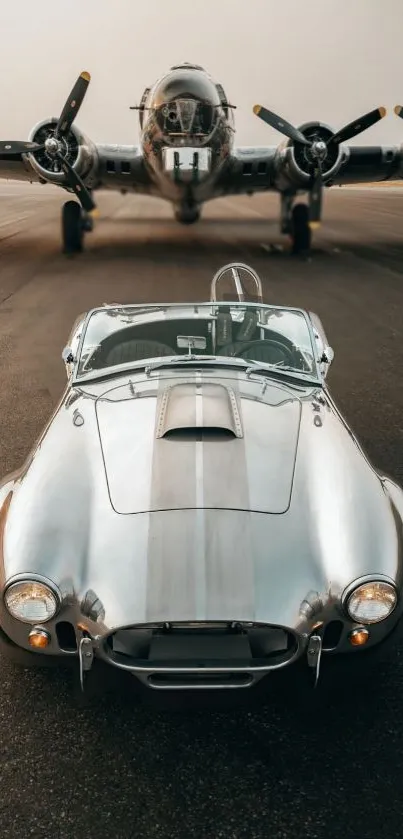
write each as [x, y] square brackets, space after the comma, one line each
[300, 229]
[187, 215]
[87, 222]
[72, 227]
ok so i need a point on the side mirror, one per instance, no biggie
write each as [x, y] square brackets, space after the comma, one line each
[325, 360]
[327, 355]
[68, 358]
[67, 355]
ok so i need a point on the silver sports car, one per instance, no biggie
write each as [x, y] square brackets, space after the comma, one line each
[197, 512]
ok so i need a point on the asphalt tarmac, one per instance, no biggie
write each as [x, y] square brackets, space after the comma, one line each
[120, 768]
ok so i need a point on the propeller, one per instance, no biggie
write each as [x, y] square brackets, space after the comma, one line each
[73, 104]
[9, 147]
[318, 149]
[280, 125]
[54, 145]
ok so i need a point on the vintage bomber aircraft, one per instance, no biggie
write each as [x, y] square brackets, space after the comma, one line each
[187, 156]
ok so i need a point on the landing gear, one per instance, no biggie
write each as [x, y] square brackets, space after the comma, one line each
[75, 222]
[72, 227]
[187, 213]
[295, 223]
[286, 214]
[300, 229]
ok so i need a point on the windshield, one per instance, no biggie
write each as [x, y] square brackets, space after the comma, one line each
[120, 337]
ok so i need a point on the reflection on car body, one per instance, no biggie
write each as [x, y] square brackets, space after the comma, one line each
[197, 513]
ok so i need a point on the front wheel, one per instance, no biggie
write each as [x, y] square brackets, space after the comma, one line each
[300, 229]
[72, 227]
[187, 214]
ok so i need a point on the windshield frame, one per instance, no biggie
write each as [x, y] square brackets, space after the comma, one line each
[310, 377]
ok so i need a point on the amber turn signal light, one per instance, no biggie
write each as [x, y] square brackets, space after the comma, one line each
[39, 638]
[358, 637]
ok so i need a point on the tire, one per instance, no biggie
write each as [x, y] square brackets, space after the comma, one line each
[72, 227]
[187, 215]
[300, 229]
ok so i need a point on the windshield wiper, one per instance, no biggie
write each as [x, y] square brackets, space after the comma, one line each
[179, 360]
[277, 368]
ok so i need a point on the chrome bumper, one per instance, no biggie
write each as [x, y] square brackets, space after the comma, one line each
[199, 656]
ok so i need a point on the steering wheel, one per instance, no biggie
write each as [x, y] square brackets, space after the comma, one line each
[284, 354]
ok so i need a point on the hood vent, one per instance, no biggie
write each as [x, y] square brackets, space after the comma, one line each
[198, 411]
[199, 435]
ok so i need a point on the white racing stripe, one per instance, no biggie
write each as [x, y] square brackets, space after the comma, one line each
[200, 558]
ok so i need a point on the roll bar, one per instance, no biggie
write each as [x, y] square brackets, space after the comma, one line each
[234, 268]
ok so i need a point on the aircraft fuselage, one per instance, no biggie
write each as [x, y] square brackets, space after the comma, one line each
[186, 136]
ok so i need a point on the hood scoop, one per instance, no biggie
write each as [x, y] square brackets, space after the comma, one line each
[192, 411]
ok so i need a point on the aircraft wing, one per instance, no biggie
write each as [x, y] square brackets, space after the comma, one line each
[249, 170]
[367, 164]
[121, 168]
[275, 169]
[115, 167]
[15, 168]
[260, 169]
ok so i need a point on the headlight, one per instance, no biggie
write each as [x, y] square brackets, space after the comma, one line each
[371, 602]
[31, 602]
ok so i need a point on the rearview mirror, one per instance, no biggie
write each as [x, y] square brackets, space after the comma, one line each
[191, 342]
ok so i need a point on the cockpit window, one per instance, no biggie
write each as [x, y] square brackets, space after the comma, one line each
[184, 84]
[186, 116]
[186, 104]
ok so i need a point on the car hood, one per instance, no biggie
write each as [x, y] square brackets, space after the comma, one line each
[309, 514]
[199, 444]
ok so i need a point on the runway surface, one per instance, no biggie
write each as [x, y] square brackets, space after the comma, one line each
[121, 769]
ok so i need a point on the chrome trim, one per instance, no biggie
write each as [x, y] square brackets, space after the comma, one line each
[86, 657]
[314, 654]
[145, 674]
[248, 682]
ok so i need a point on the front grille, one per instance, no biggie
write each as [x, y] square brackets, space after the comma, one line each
[201, 645]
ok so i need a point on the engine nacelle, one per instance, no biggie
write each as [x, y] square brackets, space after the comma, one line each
[295, 164]
[80, 152]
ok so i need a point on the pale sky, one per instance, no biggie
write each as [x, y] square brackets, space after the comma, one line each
[327, 60]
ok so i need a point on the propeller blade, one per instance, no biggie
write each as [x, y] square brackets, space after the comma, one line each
[9, 147]
[399, 111]
[280, 125]
[73, 104]
[315, 198]
[358, 126]
[77, 185]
